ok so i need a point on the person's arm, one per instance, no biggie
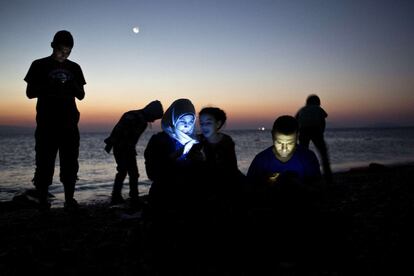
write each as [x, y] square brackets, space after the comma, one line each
[325, 115]
[254, 173]
[33, 90]
[76, 85]
[297, 114]
[230, 158]
[76, 90]
[157, 159]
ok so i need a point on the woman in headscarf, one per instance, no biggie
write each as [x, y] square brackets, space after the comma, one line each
[171, 159]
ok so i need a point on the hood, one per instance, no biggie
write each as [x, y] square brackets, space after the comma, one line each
[153, 110]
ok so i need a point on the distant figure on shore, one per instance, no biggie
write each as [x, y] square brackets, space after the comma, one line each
[225, 179]
[312, 124]
[171, 159]
[123, 139]
[56, 81]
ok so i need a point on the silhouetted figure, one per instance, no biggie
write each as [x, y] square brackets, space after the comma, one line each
[56, 81]
[279, 177]
[312, 124]
[124, 138]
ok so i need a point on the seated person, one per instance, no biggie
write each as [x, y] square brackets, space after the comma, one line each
[170, 159]
[225, 179]
[285, 163]
[281, 205]
[219, 148]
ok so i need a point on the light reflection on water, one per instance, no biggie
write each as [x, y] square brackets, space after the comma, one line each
[348, 148]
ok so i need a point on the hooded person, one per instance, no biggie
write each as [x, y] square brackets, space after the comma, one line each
[179, 123]
[170, 156]
[123, 140]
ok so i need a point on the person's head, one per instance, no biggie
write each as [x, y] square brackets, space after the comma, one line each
[179, 116]
[153, 111]
[211, 120]
[313, 100]
[62, 45]
[284, 134]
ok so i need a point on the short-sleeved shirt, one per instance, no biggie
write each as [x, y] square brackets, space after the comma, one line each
[303, 163]
[56, 99]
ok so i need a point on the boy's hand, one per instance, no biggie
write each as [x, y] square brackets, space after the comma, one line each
[108, 148]
[273, 178]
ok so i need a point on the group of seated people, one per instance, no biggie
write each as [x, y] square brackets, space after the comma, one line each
[192, 171]
[199, 201]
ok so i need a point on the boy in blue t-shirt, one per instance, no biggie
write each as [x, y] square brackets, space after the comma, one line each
[285, 159]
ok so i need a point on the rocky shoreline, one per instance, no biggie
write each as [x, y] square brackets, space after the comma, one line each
[366, 213]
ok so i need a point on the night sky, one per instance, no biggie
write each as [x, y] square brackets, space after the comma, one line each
[254, 59]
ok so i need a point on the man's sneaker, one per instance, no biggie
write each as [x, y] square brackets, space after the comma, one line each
[71, 205]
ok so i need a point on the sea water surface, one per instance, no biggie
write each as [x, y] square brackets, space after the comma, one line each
[347, 147]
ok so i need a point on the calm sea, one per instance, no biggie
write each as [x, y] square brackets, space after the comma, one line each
[348, 148]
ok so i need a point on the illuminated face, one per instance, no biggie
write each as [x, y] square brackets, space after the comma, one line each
[185, 124]
[284, 145]
[209, 126]
[61, 53]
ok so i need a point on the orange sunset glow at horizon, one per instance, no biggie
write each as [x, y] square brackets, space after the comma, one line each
[256, 60]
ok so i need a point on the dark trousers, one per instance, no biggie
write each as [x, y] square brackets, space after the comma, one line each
[316, 136]
[49, 141]
[126, 165]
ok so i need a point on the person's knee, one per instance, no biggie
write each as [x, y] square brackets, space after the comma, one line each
[133, 175]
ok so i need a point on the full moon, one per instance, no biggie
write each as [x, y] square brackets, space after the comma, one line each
[135, 30]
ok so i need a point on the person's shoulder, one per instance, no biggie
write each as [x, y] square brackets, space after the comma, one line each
[227, 139]
[302, 108]
[157, 139]
[42, 60]
[72, 63]
[200, 137]
[265, 153]
[324, 113]
[160, 136]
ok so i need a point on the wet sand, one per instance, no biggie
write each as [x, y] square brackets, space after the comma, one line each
[363, 228]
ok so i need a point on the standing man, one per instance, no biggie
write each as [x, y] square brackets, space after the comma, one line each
[56, 81]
